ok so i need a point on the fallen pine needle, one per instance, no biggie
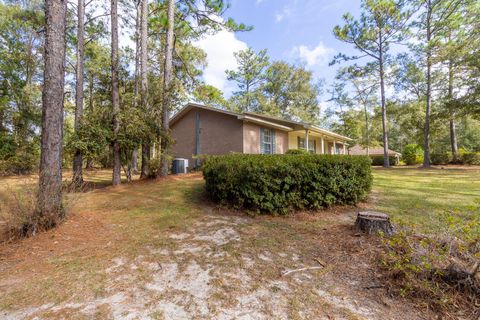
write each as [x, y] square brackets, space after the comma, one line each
[301, 269]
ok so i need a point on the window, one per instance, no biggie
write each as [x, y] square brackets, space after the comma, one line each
[267, 141]
[312, 145]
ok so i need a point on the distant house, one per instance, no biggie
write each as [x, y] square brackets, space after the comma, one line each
[201, 130]
[374, 152]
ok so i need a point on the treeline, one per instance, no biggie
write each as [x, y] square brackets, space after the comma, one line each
[75, 92]
[416, 78]
[275, 88]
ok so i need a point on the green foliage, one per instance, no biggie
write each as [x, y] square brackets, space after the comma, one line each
[210, 96]
[412, 154]
[472, 158]
[419, 265]
[465, 158]
[291, 92]
[378, 160]
[297, 151]
[283, 183]
[17, 158]
[250, 74]
[19, 163]
[441, 158]
[413, 263]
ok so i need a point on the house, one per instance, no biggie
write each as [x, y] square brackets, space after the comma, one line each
[375, 152]
[202, 130]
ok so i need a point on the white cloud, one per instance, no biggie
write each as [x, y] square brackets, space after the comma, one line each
[315, 56]
[285, 13]
[220, 48]
[257, 2]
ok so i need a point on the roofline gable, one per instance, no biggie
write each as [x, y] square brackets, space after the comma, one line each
[259, 119]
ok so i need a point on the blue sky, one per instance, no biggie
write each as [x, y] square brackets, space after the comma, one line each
[298, 31]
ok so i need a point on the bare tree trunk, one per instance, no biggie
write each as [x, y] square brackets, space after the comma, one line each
[137, 54]
[145, 169]
[144, 54]
[89, 165]
[116, 179]
[50, 180]
[137, 71]
[167, 88]
[77, 158]
[386, 160]
[426, 143]
[144, 80]
[135, 161]
[453, 131]
[367, 134]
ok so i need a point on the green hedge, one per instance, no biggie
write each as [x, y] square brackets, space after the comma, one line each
[283, 183]
[378, 160]
[464, 158]
[472, 158]
[441, 158]
[297, 151]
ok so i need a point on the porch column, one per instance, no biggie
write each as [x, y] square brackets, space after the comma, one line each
[334, 147]
[344, 149]
[306, 140]
[323, 146]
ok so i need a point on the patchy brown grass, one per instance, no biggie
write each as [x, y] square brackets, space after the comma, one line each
[159, 249]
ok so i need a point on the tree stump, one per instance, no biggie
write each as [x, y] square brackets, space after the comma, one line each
[373, 222]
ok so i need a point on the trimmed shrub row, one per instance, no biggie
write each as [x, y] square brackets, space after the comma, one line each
[283, 183]
[378, 160]
[469, 158]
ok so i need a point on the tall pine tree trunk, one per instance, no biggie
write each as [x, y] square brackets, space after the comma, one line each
[135, 87]
[50, 180]
[426, 142]
[167, 89]
[386, 160]
[116, 178]
[77, 158]
[144, 80]
[367, 133]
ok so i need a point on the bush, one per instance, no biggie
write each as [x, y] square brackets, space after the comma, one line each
[412, 154]
[282, 183]
[378, 160]
[436, 268]
[472, 158]
[18, 209]
[441, 158]
[297, 151]
[18, 164]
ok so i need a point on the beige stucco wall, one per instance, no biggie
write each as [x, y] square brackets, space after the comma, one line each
[281, 139]
[251, 139]
[220, 134]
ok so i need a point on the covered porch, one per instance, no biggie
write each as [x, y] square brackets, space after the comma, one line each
[319, 141]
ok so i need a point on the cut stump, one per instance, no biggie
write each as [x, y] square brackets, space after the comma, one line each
[373, 222]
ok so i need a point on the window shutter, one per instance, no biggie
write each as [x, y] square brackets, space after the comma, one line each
[274, 143]
[262, 149]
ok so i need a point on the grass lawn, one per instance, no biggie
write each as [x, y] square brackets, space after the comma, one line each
[160, 250]
[423, 197]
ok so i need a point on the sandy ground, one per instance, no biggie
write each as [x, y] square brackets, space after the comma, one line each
[197, 280]
[222, 266]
